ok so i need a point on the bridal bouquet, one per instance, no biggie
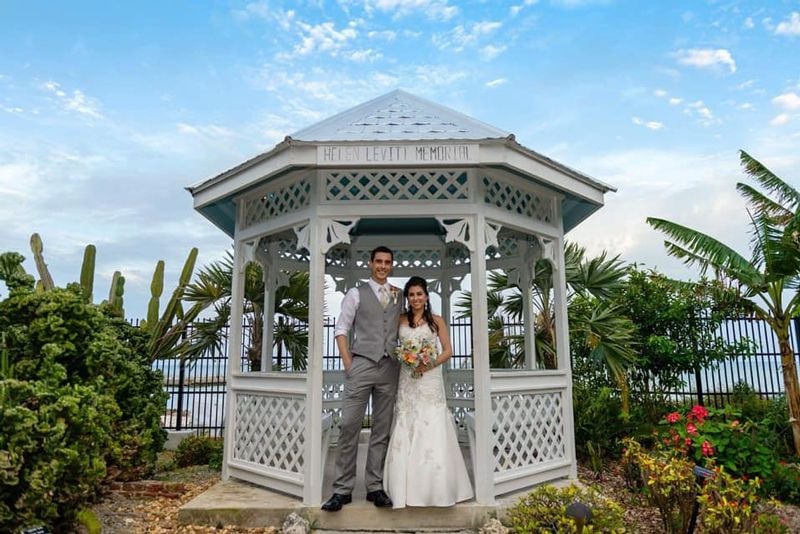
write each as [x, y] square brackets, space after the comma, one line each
[417, 352]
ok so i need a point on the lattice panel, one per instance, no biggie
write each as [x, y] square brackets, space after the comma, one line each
[338, 256]
[293, 197]
[396, 185]
[511, 198]
[269, 431]
[287, 250]
[456, 255]
[333, 391]
[529, 429]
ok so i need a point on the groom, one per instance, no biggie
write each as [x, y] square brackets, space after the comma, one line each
[372, 310]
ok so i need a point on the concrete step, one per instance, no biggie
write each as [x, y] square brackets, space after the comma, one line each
[246, 505]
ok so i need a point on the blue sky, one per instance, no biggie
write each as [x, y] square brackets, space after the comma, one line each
[109, 109]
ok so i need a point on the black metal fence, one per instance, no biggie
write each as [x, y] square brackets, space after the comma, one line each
[197, 388]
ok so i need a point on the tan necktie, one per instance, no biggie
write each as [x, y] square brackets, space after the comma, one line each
[384, 297]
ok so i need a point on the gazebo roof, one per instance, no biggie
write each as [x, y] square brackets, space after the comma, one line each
[399, 118]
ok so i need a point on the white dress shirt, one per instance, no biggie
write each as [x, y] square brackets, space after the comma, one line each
[350, 302]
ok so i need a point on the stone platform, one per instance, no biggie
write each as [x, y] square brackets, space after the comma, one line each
[237, 503]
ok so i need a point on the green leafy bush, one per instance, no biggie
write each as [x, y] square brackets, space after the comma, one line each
[731, 506]
[544, 510]
[723, 435]
[79, 404]
[52, 450]
[784, 483]
[199, 450]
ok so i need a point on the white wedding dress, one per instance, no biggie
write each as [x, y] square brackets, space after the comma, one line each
[424, 466]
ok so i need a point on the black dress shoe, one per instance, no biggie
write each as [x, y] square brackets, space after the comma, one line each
[379, 498]
[335, 503]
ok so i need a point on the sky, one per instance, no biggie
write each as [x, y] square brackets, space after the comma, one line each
[109, 109]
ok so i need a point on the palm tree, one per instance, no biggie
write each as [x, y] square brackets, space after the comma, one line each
[212, 288]
[596, 322]
[768, 281]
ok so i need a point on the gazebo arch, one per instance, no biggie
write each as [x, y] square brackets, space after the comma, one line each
[455, 198]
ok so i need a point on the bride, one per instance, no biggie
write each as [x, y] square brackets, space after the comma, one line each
[424, 466]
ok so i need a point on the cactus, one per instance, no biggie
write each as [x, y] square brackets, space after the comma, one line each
[156, 289]
[166, 331]
[87, 272]
[45, 282]
[116, 292]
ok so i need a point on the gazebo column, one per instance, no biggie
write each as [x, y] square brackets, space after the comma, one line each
[312, 482]
[267, 337]
[556, 256]
[527, 317]
[234, 348]
[484, 465]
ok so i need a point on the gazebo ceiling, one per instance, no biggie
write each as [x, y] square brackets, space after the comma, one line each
[390, 133]
[422, 226]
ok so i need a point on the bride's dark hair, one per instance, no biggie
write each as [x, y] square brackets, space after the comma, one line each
[418, 281]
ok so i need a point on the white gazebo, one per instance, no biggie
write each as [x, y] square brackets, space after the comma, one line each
[454, 198]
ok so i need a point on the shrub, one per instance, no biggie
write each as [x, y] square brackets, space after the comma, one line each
[544, 509]
[79, 404]
[199, 450]
[54, 336]
[784, 483]
[598, 420]
[668, 483]
[731, 506]
[51, 450]
[734, 443]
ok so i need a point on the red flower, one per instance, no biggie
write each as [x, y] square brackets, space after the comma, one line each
[707, 449]
[687, 441]
[698, 413]
[691, 429]
[673, 417]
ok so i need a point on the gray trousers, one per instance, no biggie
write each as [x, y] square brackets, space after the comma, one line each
[366, 378]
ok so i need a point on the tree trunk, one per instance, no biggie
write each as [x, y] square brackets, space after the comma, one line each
[792, 389]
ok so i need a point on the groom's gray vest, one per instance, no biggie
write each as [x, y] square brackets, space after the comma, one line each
[375, 328]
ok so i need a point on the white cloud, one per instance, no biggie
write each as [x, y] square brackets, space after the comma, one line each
[703, 58]
[365, 55]
[780, 120]
[13, 109]
[519, 7]
[461, 36]
[387, 35]
[748, 23]
[674, 101]
[660, 93]
[209, 130]
[652, 125]
[791, 26]
[323, 37]
[788, 101]
[77, 102]
[496, 83]
[489, 52]
[433, 9]
[702, 111]
[746, 106]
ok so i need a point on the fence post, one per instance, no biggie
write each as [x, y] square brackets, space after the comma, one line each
[698, 384]
[181, 384]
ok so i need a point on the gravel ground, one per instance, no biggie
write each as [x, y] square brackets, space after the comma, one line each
[123, 514]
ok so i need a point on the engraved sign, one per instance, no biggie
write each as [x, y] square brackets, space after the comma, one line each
[397, 154]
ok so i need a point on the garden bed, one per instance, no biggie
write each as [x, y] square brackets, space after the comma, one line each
[127, 512]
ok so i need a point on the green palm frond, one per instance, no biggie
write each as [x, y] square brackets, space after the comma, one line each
[787, 196]
[697, 248]
[763, 205]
